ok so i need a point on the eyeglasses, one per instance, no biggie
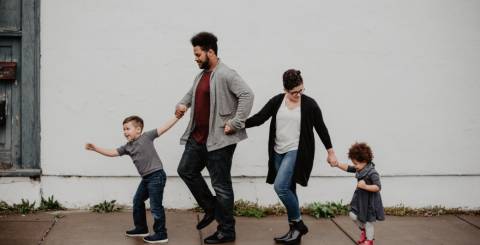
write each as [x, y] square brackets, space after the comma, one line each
[294, 93]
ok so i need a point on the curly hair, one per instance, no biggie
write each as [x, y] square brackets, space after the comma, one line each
[291, 79]
[206, 41]
[360, 152]
[137, 121]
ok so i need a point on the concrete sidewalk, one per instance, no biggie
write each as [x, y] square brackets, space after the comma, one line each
[83, 227]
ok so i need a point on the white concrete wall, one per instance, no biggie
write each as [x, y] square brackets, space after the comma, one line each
[401, 75]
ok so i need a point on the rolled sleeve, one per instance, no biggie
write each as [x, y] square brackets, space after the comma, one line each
[375, 177]
[151, 134]
[351, 169]
[122, 150]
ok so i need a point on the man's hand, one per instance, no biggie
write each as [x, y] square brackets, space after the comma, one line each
[180, 111]
[361, 184]
[90, 147]
[228, 130]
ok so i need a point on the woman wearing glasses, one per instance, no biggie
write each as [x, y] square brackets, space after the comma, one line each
[291, 146]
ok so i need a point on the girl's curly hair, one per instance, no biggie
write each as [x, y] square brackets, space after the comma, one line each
[360, 152]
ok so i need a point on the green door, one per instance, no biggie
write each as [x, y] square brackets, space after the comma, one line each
[19, 100]
[10, 107]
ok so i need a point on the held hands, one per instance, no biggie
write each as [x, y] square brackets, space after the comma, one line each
[333, 165]
[180, 111]
[228, 130]
[332, 158]
[90, 147]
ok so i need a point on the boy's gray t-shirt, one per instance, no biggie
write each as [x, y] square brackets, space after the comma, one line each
[143, 153]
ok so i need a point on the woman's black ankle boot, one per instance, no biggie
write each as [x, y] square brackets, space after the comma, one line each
[299, 229]
[281, 239]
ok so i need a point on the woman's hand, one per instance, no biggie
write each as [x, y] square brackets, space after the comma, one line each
[334, 164]
[332, 158]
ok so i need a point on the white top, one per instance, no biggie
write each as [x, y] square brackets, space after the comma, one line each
[287, 133]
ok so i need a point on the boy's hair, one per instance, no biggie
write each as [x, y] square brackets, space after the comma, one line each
[291, 79]
[360, 152]
[137, 121]
[206, 41]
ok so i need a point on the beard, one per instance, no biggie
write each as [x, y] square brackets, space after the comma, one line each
[205, 65]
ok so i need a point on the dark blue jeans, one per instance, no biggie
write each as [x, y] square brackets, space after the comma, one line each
[151, 186]
[284, 185]
[219, 163]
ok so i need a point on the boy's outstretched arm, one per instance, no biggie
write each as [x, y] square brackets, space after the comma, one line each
[103, 151]
[165, 127]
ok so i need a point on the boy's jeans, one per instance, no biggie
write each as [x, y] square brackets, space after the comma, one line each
[219, 163]
[151, 186]
[284, 185]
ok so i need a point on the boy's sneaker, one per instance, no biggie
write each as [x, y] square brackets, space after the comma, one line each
[156, 238]
[136, 232]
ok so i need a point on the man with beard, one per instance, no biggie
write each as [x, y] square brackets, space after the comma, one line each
[221, 102]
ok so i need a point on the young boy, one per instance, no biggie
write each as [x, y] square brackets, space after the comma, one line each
[366, 206]
[142, 151]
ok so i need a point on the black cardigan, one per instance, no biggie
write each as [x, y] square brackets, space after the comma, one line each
[310, 117]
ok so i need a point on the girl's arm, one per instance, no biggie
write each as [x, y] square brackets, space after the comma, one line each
[371, 188]
[103, 151]
[376, 186]
[164, 128]
[343, 166]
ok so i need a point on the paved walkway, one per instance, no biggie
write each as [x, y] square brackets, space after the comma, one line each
[82, 228]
